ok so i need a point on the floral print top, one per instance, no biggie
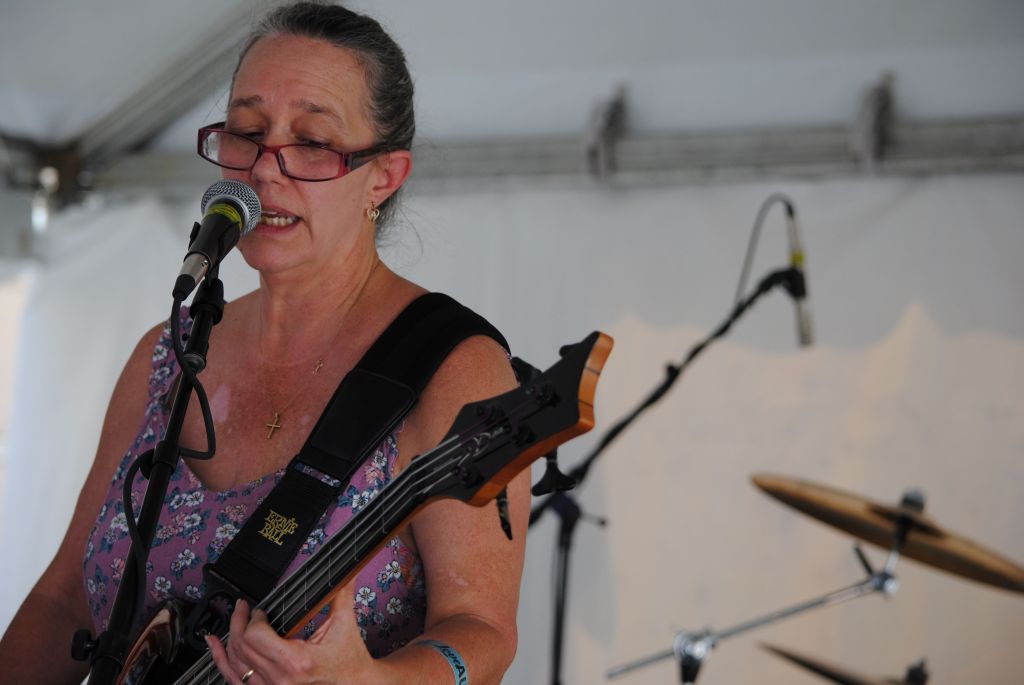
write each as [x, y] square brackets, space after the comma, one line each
[197, 523]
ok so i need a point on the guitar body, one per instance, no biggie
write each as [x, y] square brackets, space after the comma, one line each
[160, 655]
[489, 443]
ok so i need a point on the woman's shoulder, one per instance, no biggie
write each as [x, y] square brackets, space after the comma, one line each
[476, 369]
[152, 351]
[475, 366]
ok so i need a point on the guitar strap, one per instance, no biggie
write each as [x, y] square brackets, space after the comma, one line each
[367, 406]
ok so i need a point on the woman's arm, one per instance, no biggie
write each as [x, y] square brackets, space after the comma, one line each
[472, 570]
[37, 645]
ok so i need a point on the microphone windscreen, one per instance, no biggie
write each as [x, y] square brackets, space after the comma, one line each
[239, 194]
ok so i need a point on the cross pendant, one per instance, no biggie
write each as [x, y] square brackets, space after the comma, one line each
[273, 425]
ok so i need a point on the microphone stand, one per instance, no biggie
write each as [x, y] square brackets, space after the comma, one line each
[570, 513]
[107, 653]
[565, 506]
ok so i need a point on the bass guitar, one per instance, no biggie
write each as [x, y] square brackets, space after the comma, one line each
[488, 444]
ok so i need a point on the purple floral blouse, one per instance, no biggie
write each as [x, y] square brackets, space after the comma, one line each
[197, 523]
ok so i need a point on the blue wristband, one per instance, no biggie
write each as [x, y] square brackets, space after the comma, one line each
[454, 660]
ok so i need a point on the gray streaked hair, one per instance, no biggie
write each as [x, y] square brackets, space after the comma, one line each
[387, 75]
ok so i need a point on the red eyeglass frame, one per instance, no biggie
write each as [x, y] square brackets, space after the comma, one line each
[347, 161]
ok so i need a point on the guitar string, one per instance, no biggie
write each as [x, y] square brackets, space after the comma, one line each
[204, 667]
[421, 464]
[413, 481]
[426, 462]
[365, 526]
[390, 511]
[410, 482]
[396, 493]
[205, 662]
[288, 606]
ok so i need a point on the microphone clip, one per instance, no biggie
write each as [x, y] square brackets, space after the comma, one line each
[795, 283]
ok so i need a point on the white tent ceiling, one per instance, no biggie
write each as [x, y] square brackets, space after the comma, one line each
[536, 67]
[712, 90]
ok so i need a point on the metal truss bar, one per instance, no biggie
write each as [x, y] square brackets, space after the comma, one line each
[170, 94]
[963, 146]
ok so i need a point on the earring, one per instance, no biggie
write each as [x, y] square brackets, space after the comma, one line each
[372, 213]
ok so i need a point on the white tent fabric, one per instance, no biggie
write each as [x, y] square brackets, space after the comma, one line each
[915, 287]
[535, 68]
[107, 278]
[914, 381]
[691, 543]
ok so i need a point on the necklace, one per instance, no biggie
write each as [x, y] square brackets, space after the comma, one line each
[275, 424]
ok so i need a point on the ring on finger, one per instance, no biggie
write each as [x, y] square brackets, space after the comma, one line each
[247, 675]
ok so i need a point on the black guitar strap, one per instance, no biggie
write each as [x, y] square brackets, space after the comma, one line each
[367, 406]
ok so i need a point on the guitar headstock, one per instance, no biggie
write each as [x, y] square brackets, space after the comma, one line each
[493, 440]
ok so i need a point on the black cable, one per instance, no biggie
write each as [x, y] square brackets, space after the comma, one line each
[145, 460]
[785, 277]
[672, 372]
[189, 375]
[755, 233]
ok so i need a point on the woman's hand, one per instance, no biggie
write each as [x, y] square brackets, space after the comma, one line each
[335, 653]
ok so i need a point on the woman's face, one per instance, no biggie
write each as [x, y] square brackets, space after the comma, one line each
[290, 89]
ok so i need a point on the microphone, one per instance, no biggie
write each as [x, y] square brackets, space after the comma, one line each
[230, 210]
[798, 287]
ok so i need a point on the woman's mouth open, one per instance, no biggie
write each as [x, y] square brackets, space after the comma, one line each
[277, 220]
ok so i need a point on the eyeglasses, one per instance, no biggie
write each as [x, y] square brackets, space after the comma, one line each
[301, 161]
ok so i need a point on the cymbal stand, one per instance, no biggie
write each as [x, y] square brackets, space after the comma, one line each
[691, 650]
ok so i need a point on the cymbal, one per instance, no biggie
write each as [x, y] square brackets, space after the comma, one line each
[925, 542]
[828, 671]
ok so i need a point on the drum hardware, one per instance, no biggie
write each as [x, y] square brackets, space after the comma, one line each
[903, 528]
[691, 650]
[923, 539]
[916, 674]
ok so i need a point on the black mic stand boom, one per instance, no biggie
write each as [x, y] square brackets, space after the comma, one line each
[565, 506]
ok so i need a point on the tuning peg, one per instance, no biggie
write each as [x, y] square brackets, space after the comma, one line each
[553, 480]
[524, 370]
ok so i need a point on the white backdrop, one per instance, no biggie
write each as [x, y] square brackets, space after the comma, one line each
[915, 381]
